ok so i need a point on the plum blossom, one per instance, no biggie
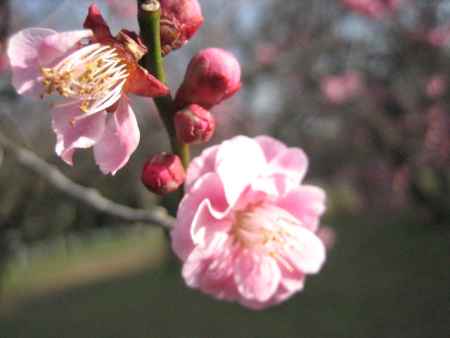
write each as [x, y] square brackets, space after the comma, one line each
[94, 71]
[246, 230]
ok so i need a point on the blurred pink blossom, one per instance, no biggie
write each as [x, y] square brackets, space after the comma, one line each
[123, 8]
[246, 228]
[436, 86]
[339, 89]
[94, 71]
[375, 9]
[439, 36]
[266, 53]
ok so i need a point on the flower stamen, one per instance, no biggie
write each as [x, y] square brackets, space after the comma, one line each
[95, 74]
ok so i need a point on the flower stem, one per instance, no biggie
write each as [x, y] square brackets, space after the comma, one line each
[149, 15]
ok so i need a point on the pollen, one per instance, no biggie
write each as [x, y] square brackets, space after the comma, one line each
[94, 74]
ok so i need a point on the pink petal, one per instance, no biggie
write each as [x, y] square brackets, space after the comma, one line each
[257, 276]
[270, 146]
[208, 187]
[83, 133]
[291, 163]
[306, 252]
[23, 54]
[307, 203]
[199, 259]
[201, 165]
[238, 162]
[119, 141]
[56, 45]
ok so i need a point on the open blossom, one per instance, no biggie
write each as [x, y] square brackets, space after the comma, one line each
[246, 228]
[94, 71]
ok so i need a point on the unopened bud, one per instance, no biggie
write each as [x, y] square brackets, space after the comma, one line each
[180, 20]
[163, 173]
[194, 124]
[213, 75]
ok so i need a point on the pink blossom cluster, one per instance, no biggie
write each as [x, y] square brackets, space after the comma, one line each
[247, 228]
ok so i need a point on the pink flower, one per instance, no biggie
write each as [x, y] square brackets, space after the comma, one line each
[339, 89]
[246, 228]
[213, 75]
[180, 20]
[94, 71]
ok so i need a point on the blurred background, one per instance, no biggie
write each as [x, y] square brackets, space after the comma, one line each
[361, 85]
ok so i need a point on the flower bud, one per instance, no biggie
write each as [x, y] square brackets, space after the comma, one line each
[194, 124]
[163, 173]
[213, 75]
[180, 20]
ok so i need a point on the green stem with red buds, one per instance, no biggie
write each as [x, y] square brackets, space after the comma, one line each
[149, 15]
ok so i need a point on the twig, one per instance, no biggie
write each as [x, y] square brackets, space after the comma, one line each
[90, 197]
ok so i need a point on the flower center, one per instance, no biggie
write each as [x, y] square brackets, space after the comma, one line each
[95, 74]
[264, 227]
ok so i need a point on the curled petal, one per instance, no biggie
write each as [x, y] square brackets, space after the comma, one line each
[83, 133]
[239, 161]
[208, 188]
[119, 141]
[201, 165]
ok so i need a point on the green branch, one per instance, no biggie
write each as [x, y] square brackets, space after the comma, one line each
[149, 15]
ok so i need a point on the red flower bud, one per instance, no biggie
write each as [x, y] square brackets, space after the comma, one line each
[194, 124]
[213, 75]
[180, 20]
[163, 173]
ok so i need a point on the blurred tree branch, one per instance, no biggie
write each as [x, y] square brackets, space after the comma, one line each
[88, 196]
